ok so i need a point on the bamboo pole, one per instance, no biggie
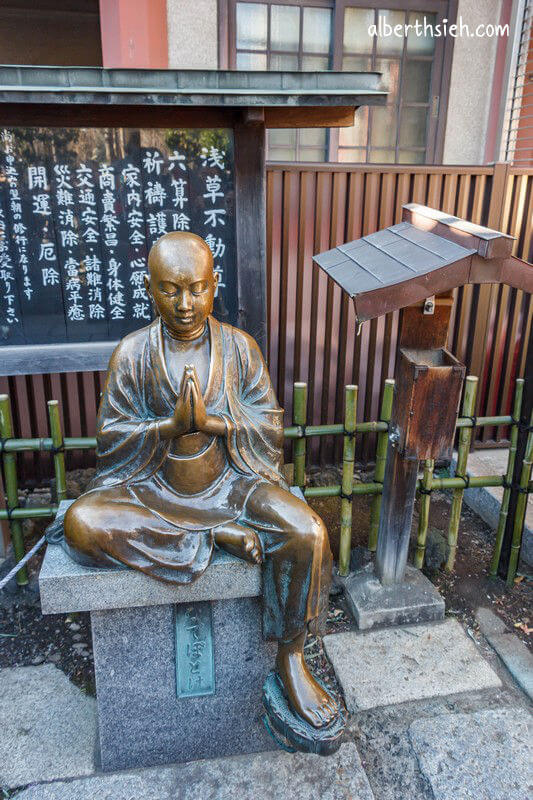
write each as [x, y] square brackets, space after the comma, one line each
[294, 432]
[11, 487]
[502, 520]
[58, 444]
[291, 432]
[423, 512]
[521, 506]
[481, 422]
[381, 460]
[29, 513]
[465, 436]
[350, 414]
[46, 444]
[299, 419]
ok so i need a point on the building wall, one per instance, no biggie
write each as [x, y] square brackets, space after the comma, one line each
[60, 33]
[471, 85]
[192, 34]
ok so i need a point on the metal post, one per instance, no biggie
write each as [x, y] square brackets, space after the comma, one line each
[11, 488]
[350, 414]
[299, 419]
[465, 436]
[381, 459]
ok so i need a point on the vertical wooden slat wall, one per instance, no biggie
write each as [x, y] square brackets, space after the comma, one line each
[323, 348]
[312, 334]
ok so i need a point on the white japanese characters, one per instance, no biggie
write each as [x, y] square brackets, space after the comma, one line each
[79, 231]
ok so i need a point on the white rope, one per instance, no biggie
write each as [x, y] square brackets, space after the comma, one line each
[21, 563]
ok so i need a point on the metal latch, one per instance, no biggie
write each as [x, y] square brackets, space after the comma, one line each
[429, 305]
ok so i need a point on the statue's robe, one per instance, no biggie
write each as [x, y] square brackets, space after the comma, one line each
[154, 510]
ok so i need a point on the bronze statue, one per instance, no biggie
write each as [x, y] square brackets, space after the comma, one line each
[189, 453]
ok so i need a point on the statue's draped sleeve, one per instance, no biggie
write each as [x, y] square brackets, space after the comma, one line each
[254, 421]
[129, 447]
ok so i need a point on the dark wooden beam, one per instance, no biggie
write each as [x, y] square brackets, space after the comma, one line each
[310, 117]
[63, 115]
[250, 211]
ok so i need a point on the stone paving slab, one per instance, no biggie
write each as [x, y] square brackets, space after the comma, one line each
[514, 653]
[486, 755]
[47, 726]
[265, 776]
[394, 665]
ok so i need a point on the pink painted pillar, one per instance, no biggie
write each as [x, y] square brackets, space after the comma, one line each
[134, 34]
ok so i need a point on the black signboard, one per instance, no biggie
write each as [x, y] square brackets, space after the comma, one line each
[79, 211]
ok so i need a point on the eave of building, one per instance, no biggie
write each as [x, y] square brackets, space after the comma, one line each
[203, 98]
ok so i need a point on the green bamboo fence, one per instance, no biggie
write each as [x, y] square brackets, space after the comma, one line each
[299, 432]
[463, 449]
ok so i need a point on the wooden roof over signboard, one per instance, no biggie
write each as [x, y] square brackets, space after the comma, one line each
[188, 98]
[405, 263]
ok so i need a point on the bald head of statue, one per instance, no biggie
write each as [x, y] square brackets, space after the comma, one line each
[182, 282]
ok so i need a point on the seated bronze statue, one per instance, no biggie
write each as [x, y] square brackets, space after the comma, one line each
[189, 454]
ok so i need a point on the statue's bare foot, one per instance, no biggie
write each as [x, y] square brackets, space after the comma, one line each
[306, 697]
[240, 541]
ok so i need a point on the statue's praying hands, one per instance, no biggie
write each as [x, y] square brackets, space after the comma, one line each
[189, 452]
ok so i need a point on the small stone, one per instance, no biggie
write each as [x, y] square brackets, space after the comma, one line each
[73, 489]
[77, 637]
[37, 660]
[28, 528]
[54, 658]
[436, 550]
[36, 500]
[74, 626]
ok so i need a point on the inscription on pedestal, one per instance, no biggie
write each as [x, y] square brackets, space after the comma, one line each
[195, 667]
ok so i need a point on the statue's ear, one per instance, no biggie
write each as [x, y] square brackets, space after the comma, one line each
[147, 285]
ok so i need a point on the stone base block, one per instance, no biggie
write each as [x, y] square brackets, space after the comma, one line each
[372, 604]
[142, 721]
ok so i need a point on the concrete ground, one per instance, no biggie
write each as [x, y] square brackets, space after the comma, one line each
[434, 714]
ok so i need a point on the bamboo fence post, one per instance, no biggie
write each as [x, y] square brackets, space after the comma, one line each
[299, 416]
[350, 415]
[521, 506]
[381, 460]
[465, 437]
[423, 512]
[502, 520]
[58, 451]
[11, 487]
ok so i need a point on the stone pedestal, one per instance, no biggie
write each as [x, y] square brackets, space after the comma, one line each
[373, 604]
[142, 719]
